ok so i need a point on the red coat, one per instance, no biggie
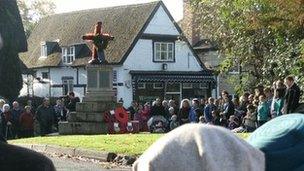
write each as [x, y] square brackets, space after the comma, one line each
[8, 116]
[27, 121]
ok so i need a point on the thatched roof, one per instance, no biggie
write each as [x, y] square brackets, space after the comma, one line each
[11, 27]
[123, 22]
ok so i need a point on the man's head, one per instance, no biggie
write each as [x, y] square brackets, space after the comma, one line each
[172, 103]
[225, 94]
[262, 98]
[195, 102]
[158, 102]
[203, 101]
[46, 101]
[71, 95]
[289, 81]
[165, 103]
[59, 102]
[268, 92]
[211, 100]
[15, 104]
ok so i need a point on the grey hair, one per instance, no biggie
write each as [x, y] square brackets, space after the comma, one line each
[5, 106]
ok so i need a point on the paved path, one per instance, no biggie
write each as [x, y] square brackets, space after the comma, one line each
[67, 164]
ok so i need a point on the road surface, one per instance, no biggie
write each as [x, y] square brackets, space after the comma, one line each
[67, 164]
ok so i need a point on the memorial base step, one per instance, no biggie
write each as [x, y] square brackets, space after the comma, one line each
[87, 128]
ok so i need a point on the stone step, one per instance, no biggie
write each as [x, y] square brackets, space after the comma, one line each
[94, 106]
[88, 128]
[85, 117]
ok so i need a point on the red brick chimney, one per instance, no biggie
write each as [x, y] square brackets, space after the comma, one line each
[189, 24]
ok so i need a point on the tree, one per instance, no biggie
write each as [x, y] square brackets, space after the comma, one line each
[265, 36]
[32, 11]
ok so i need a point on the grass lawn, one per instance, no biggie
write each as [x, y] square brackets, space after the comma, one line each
[131, 144]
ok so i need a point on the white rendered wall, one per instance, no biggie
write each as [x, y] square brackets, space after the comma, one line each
[56, 74]
[161, 24]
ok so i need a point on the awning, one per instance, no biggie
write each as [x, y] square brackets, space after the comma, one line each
[205, 76]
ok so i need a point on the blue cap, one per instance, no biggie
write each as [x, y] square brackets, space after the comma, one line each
[282, 141]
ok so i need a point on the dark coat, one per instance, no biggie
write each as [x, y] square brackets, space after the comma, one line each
[183, 115]
[292, 98]
[17, 158]
[45, 116]
[158, 110]
[72, 104]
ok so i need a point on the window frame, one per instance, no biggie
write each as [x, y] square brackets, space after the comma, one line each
[43, 50]
[70, 85]
[203, 87]
[156, 87]
[68, 54]
[47, 73]
[188, 87]
[141, 87]
[155, 51]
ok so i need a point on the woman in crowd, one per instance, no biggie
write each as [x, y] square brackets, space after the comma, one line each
[184, 111]
[27, 122]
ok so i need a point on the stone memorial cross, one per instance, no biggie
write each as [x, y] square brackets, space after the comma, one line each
[100, 42]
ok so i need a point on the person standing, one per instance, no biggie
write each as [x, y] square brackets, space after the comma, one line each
[133, 109]
[292, 97]
[60, 111]
[45, 116]
[71, 104]
[263, 110]
[27, 123]
[16, 112]
[208, 110]
[184, 111]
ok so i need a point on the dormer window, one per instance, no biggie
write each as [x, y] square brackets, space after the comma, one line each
[43, 50]
[68, 54]
[164, 52]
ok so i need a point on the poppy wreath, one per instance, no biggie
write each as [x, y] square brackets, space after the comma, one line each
[121, 115]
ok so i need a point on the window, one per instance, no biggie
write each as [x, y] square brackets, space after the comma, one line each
[67, 84]
[163, 51]
[203, 85]
[43, 50]
[158, 86]
[45, 75]
[187, 85]
[68, 55]
[141, 85]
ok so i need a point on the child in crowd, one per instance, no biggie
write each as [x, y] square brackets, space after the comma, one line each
[216, 118]
[249, 121]
[174, 122]
[208, 110]
[278, 103]
[201, 120]
[27, 122]
[233, 122]
[263, 110]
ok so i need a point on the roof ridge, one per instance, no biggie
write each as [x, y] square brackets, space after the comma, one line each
[109, 7]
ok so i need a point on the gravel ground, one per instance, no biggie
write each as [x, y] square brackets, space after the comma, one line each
[67, 163]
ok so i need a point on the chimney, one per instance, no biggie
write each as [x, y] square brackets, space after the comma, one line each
[189, 24]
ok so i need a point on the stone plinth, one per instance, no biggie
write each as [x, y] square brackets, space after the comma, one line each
[99, 98]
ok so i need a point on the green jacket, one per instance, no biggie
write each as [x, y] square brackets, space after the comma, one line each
[278, 106]
[263, 111]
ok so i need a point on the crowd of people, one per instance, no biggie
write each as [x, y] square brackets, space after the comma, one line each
[243, 114]
[28, 121]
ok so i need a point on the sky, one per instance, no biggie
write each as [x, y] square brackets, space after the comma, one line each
[174, 6]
